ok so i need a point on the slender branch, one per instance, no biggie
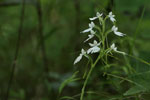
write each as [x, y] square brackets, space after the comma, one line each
[14, 3]
[6, 4]
[17, 49]
[41, 36]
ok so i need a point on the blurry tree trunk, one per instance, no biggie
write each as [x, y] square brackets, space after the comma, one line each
[20, 32]
[73, 38]
[77, 23]
[77, 8]
[111, 6]
[14, 3]
[41, 36]
[7, 4]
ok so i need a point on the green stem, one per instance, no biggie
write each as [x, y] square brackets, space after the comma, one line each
[86, 80]
[85, 83]
[94, 64]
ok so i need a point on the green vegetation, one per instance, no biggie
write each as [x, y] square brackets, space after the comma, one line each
[40, 40]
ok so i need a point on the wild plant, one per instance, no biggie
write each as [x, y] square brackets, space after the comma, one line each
[99, 46]
[100, 27]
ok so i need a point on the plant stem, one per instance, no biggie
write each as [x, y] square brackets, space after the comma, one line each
[85, 83]
[89, 73]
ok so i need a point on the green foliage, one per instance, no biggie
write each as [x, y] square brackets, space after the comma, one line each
[142, 81]
[62, 22]
[67, 97]
[131, 6]
[67, 81]
[135, 90]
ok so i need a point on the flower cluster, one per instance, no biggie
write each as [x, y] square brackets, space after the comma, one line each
[96, 46]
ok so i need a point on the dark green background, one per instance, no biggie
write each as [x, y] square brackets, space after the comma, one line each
[62, 22]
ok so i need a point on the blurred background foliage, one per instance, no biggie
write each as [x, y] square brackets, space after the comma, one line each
[62, 21]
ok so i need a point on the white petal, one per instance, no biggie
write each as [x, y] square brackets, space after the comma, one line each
[91, 44]
[112, 46]
[98, 44]
[119, 33]
[112, 19]
[114, 28]
[98, 14]
[115, 49]
[83, 52]
[95, 42]
[89, 50]
[121, 52]
[90, 37]
[93, 18]
[95, 49]
[87, 30]
[111, 16]
[110, 13]
[92, 32]
[78, 59]
[92, 25]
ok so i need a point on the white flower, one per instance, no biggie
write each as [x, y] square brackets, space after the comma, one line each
[115, 30]
[91, 26]
[97, 16]
[94, 47]
[90, 36]
[115, 49]
[93, 50]
[83, 53]
[94, 43]
[111, 16]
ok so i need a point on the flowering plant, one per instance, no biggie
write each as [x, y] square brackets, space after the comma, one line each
[104, 48]
[100, 45]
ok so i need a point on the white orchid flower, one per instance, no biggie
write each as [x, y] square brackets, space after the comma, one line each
[95, 43]
[83, 53]
[97, 16]
[115, 30]
[91, 26]
[94, 47]
[111, 16]
[114, 48]
[90, 36]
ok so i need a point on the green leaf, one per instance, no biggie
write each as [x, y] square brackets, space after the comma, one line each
[70, 79]
[134, 90]
[142, 81]
[67, 97]
[129, 5]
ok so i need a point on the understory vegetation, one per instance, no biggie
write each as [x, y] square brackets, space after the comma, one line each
[74, 50]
